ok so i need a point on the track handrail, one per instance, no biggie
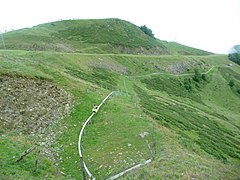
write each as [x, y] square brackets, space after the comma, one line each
[129, 169]
[81, 134]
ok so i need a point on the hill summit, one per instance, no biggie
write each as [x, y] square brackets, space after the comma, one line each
[100, 36]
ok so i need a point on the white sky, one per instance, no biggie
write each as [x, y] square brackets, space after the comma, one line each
[212, 25]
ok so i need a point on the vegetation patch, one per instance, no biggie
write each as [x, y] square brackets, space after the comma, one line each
[183, 87]
[232, 78]
[196, 129]
[99, 76]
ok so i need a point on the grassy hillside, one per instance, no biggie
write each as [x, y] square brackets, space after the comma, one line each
[176, 48]
[195, 116]
[91, 36]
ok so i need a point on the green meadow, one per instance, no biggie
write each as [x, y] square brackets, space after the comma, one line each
[187, 104]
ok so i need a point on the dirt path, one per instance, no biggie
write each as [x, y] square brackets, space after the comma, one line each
[177, 75]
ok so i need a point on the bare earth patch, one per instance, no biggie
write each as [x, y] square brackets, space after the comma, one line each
[100, 63]
[30, 105]
[179, 67]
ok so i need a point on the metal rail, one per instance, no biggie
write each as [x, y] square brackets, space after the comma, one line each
[130, 169]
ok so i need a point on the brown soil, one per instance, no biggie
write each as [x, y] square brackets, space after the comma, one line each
[179, 67]
[30, 105]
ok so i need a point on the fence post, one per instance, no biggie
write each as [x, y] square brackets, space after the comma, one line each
[82, 168]
[81, 146]
[150, 151]
[154, 142]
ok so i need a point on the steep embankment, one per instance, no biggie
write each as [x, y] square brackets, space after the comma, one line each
[92, 36]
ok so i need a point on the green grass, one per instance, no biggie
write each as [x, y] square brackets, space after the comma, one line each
[116, 145]
[12, 145]
[176, 48]
[87, 87]
[98, 76]
[184, 87]
[197, 131]
[200, 128]
[91, 36]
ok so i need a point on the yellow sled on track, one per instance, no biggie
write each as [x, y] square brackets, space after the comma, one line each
[95, 108]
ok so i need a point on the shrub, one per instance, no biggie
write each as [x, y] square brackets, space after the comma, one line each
[197, 76]
[187, 85]
[231, 83]
[147, 31]
[204, 77]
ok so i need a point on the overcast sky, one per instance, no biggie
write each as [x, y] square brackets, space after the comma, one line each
[212, 25]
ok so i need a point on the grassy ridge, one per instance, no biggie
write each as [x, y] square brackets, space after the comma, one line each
[176, 48]
[92, 36]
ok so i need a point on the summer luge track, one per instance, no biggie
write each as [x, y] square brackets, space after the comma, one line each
[81, 155]
[81, 134]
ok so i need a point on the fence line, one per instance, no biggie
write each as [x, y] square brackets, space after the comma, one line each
[81, 134]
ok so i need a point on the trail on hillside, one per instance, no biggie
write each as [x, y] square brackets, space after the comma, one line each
[177, 75]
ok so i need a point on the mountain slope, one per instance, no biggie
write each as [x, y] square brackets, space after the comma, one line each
[92, 36]
[196, 121]
[184, 103]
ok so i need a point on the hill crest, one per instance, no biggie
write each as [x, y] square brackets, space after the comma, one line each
[100, 36]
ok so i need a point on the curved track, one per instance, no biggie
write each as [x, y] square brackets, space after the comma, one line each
[81, 134]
